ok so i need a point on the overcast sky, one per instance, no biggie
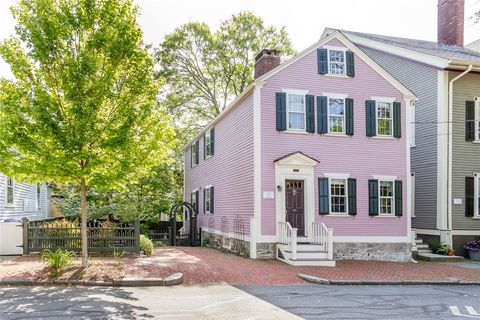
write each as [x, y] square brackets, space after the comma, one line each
[303, 19]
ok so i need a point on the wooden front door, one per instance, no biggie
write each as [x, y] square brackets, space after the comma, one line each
[295, 205]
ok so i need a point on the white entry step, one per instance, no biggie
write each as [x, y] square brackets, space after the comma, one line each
[308, 254]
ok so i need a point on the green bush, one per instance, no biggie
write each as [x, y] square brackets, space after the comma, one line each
[146, 245]
[205, 241]
[57, 260]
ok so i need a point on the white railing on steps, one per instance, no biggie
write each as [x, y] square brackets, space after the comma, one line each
[324, 237]
[288, 236]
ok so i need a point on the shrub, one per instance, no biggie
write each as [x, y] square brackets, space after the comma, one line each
[57, 260]
[473, 245]
[435, 245]
[205, 241]
[444, 249]
[146, 245]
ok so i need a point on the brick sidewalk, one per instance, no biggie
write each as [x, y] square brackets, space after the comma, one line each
[208, 266]
[203, 266]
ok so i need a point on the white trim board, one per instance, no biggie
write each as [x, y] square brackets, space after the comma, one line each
[367, 239]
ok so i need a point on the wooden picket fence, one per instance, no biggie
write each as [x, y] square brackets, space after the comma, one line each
[60, 233]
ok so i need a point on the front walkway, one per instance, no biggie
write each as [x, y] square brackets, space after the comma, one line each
[205, 266]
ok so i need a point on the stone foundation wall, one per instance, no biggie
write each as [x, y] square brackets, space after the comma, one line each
[400, 252]
[266, 250]
[225, 243]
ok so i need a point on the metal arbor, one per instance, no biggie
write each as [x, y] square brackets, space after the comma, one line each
[193, 234]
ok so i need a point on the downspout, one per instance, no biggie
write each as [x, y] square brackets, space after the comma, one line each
[450, 146]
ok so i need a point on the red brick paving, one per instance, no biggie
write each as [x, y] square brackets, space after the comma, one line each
[203, 266]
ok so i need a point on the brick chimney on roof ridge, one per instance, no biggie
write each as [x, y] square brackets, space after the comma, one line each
[265, 61]
[451, 15]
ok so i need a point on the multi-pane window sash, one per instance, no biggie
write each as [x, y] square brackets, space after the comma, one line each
[208, 143]
[336, 115]
[338, 196]
[9, 190]
[336, 62]
[296, 112]
[208, 205]
[386, 197]
[477, 120]
[39, 192]
[384, 118]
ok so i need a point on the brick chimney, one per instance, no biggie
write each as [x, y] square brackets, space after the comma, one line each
[450, 22]
[265, 61]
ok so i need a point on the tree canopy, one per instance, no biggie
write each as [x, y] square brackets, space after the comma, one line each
[82, 107]
[204, 70]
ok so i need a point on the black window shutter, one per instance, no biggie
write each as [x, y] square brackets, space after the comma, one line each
[204, 193]
[310, 108]
[281, 102]
[197, 151]
[204, 146]
[211, 199]
[349, 116]
[373, 197]
[350, 57]
[470, 121]
[212, 141]
[323, 196]
[397, 120]
[370, 118]
[322, 61]
[469, 196]
[322, 115]
[398, 198]
[196, 203]
[352, 196]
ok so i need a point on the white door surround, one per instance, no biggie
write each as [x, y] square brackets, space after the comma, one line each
[296, 166]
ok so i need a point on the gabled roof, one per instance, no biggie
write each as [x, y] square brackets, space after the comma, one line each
[334, 35]
[298, 154]
[424, 51]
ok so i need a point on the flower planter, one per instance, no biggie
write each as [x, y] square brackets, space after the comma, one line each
[474, 255]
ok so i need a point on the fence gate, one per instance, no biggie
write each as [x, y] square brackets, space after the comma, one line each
[189, 234]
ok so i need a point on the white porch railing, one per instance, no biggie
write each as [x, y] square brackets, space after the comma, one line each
[324, 237]
[288, 236]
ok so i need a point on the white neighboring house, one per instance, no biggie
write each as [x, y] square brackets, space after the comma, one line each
[19, 200]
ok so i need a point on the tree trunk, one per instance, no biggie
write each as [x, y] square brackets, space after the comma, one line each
[83, 194]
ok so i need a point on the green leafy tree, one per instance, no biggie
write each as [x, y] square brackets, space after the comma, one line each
[205, 70]
[82, 107]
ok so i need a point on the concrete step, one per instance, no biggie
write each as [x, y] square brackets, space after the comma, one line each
[308, 254]
[428, 250]
[438, 257]
[418, 241]
[422, 246]
[310, 247]
[312, 262]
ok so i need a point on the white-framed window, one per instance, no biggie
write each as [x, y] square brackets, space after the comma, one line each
[336, 115]
[208, 143]
[476, 200]
[10, 188]
[337, 62]
[477, 119]
[384, 112]
[194, 153]
[386, 200]
[39, 195]
[338, 195]
[296, 115]
[208, 199]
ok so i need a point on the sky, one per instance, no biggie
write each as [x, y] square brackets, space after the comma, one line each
[304, 19]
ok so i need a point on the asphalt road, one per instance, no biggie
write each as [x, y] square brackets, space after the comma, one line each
[241, 302]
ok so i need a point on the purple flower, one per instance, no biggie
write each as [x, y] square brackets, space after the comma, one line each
[473, 245]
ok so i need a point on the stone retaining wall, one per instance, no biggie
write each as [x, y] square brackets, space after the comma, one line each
[399, 252]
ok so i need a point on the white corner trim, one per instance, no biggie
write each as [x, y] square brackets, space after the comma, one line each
[335, 95]
[338, 48]
[337, 175]
[384, 178]
[442, 142]
[384, 99]
[294, 91]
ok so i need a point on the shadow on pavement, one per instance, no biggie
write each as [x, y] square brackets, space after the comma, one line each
[68, 303]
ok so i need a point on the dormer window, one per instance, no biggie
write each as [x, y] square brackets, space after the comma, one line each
[336, 62]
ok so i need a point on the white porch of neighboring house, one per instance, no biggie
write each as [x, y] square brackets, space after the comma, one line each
[300, 240]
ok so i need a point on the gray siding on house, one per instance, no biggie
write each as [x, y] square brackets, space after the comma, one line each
[422, 81]
[466, 155]
[24, 201]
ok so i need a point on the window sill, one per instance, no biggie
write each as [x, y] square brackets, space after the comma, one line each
[338, 215]
[297, 132]
[343, 135]
[413, 146]
[476, 141]
[384, 137]
[476, 217]
[194, 165]
[9, 205]
[385, 216]
[336, 75]
[208, 157]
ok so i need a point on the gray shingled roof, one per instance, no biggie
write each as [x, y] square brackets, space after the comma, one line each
[428, 47]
